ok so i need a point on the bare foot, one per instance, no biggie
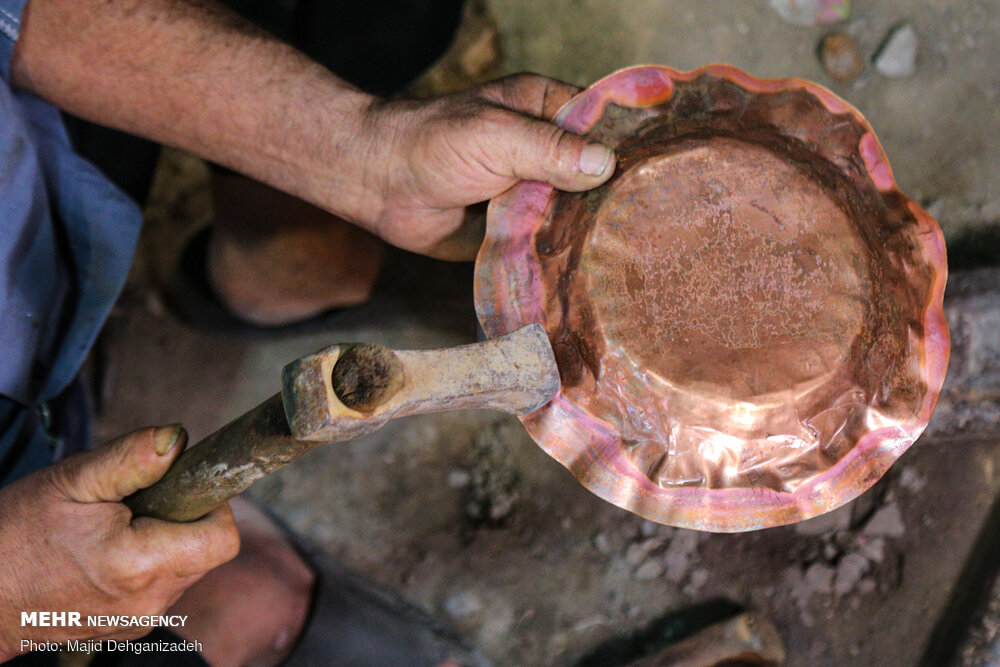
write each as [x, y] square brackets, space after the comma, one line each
[251, 610]
[274, 259]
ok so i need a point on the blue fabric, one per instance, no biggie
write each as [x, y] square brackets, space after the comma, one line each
[10, 23]
[67, 236]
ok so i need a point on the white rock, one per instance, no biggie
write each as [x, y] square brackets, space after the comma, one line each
[635, 554]
[696, 582]
[602, 544]
[811, 12]
[886, 522]
[911, 480]
[458, 478]
[677, 566]
[898, 56]
[682, 550]
[649, 528]
[818, 579]
[873, 549]
[651, 569]
[850, 569]
[463, 606]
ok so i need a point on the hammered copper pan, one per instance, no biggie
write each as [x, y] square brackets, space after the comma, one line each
[746, 318]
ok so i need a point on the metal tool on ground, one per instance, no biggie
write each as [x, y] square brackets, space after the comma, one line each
[346, 391]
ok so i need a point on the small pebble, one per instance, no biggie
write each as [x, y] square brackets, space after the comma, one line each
[651, 544]
[873, 549]
[840, 57]
[635, 554]
[677, 566]
[696, 582]
[682, 550]
[458, 478]
[649, 528]
[464, 606]
[911, 480]
[849, 572]
[898, 56]
[651, 569]
[886, 522]
[811, 12]
[501, 507]
[818, 579]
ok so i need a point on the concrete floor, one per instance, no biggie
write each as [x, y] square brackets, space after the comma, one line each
[465, 516]
[937, 126]
[556, 572]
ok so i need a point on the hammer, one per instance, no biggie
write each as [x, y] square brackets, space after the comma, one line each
[343, 392]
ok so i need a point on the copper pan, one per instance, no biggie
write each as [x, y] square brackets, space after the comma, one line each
[746, 318]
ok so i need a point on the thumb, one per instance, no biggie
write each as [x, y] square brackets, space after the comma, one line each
[121, 467]
[539, 151]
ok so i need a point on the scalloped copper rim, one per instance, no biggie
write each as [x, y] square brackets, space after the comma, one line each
[747, 318]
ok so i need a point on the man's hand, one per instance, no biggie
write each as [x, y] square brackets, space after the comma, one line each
[68, 544]
[439, 156]
[195, 75]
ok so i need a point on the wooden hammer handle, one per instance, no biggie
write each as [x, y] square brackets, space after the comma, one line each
[222, 465]
[344, 392]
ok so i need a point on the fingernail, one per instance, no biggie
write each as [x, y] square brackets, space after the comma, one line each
[165, 438]
[594, 159]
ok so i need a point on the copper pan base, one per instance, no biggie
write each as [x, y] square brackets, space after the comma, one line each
[747, 317]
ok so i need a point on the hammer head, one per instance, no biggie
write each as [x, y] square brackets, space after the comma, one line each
[333, 394]
[348, 390]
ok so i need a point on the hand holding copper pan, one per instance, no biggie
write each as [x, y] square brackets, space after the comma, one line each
[747, 317]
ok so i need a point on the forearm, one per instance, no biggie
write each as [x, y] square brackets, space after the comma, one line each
[189, 73]
[192, 74]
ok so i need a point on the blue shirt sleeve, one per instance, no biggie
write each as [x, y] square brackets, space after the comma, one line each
[10, 26]
[67, 236]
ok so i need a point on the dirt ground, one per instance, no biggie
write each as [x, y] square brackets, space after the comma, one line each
[465, 516]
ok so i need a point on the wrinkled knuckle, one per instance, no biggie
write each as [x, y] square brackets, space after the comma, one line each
[524, 81]
[59, 478]
[133, 582]
[131, 575]
[492, 117]
[558, 145]
[441, 107]
[445, 117]
[511, 88]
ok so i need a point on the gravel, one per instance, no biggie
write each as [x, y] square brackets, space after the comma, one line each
[886, 522]
[898, 56]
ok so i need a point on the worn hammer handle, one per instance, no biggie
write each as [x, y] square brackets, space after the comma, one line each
[222, 465]
[344, 392]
